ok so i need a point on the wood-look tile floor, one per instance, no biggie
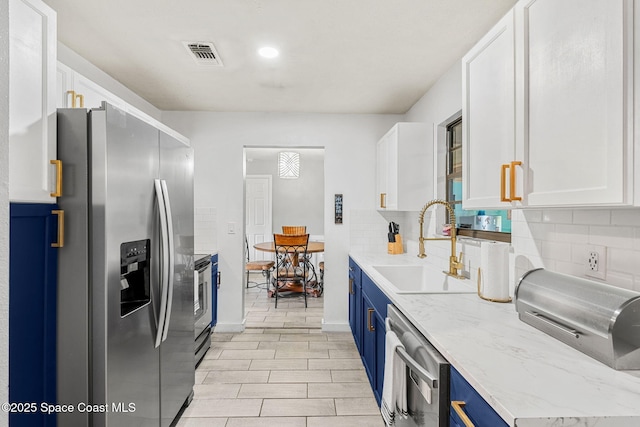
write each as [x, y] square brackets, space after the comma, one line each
[282, 371]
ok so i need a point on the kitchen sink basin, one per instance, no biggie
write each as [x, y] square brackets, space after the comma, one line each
[420, 279]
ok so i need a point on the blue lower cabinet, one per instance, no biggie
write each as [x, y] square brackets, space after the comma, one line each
[474, 406]
[374, 313]
[355, 302]
[215, 283]
[33, 263]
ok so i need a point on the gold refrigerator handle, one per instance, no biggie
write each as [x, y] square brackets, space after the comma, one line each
[512, 181]
[58, 190]
[458, 406]
[60, 242]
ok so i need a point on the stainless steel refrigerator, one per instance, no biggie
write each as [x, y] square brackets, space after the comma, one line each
[125, 282]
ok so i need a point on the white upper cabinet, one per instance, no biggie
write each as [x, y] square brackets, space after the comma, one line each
[488, 111]
[548, 107]
[404, 160]
[574, 91]
[76, 91]
[32, 102]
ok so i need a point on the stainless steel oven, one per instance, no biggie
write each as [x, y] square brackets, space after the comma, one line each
[202, 305]
[427, 375]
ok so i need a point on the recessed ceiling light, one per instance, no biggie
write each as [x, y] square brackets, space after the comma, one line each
[268, 52]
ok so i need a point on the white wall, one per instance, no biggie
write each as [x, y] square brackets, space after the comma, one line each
[218, 140]
[4, 208]
[295, 201]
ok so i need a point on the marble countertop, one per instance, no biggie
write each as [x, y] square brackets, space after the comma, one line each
[528, 377]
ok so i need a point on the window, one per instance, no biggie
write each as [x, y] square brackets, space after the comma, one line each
[484, 224]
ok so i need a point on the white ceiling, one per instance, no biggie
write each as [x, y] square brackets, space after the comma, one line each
[336, 56]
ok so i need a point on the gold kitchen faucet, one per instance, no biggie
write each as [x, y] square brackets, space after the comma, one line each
[455, 263]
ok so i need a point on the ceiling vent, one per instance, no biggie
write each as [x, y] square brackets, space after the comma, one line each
[204, 53]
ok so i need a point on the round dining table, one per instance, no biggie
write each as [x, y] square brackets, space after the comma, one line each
[312, 247]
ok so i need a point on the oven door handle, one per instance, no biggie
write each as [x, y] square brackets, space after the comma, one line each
[425, 375]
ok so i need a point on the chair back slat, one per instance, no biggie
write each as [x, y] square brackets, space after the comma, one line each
[294, 229]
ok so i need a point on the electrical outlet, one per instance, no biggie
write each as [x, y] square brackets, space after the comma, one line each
[596, 262]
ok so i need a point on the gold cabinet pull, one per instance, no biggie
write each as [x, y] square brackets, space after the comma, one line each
[76, 97]
[458, 406]
[383, 200]
[512, 181]
[73, 98]
[503, 183]
[58, 191]
[60, 242]
[370, 311]
[351, 287]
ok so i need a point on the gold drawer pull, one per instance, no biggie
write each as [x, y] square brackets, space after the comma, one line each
[60, 242]
[58, 191]
[458, 407]
[370, 326]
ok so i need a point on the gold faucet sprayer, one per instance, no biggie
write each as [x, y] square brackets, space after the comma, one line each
[455, 263]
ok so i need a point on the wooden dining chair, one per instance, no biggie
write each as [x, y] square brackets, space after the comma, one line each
[290, 277]
[263, 266]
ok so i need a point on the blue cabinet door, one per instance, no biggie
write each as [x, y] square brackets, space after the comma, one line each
[32, 310]
[374, 314]
[355, 303]
[214, 290]
[368, 352]
[475, 407]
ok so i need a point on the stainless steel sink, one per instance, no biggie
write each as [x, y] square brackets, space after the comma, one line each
[422, 279]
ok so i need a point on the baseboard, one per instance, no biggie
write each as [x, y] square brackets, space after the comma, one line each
[226, 328]
[335, 327]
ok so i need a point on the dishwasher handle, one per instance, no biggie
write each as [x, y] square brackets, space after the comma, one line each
[425, 375]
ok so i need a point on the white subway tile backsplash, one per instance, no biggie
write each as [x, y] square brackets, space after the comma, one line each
[557, 216]
[557, 251]
[626, 217]
[592, 216]
[618, 237]
[622, 280]
[572, 233]
[622, 260]
[531, 216]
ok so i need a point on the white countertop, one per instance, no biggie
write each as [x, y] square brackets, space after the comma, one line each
[528, 377]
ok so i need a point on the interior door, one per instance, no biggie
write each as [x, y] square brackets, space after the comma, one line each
[259, 227]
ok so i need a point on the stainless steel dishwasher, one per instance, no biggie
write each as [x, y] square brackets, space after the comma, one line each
[427, 375]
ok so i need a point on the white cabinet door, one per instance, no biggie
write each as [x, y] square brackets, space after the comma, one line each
[64, 86]
[93, 94]
[32, 101]
[405, 173]
[574, 88]
[382, 149]
[488, 111]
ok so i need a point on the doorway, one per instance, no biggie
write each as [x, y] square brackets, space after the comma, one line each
[298, 201]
